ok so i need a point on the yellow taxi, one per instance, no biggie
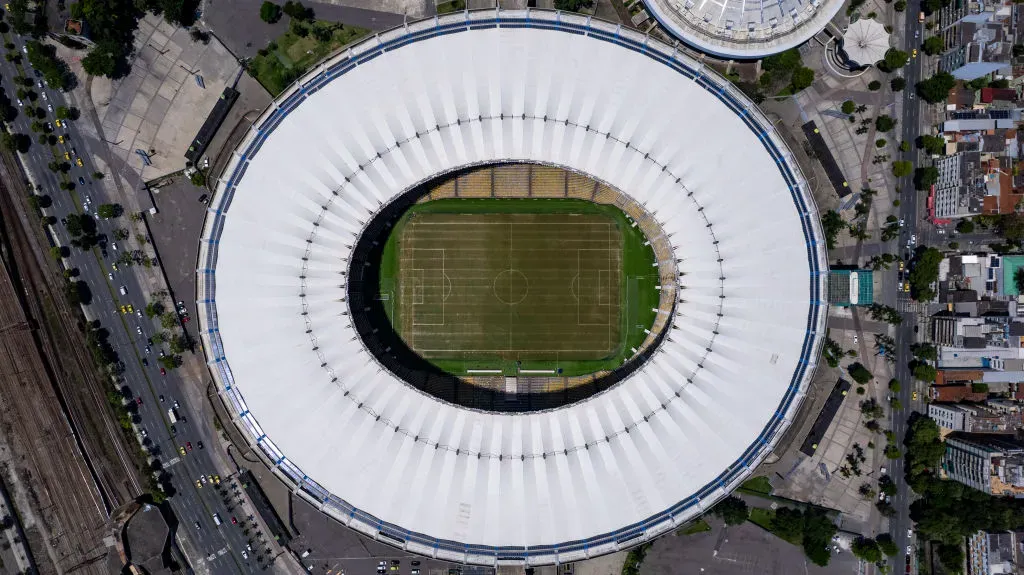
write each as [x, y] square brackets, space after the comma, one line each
[901, 265]
[78, 162]
[914, 396]
[914, 53]
[67, 155]
[60, 139]
[124, 309]
[216, 479]
[57, 123]
[131, 309]
[198, 484]
[7, 7]
[906, 287]
[181, 450]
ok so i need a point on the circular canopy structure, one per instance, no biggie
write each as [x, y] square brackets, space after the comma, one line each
[740, 29]
[865, 42]
[552, 486]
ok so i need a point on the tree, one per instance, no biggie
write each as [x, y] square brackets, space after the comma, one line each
[62, 112]
[880, 143]
[198, 178]
[932, 45]
[572, 5]
[270, 12]
[897, 84]
[1011, 227]
[892, 451]
[732, 510]
[894, 385]
[102, 60]
[924, 351]
[886, 545]
[169, 361]
[965, 226]
[154, 308]
[899, 5]
[43, 58]
[925, 177]
[924, 372]
[297, 11]
[933, 145]
[832, 223]
[884, 123]
[848, 107]
[169, 320]
[98, 175]
[936, 89]
[1018, 279]
[866, 549]
[901, 168]
[803, 77]
[859, 373]
[56, 252]
[107, 211]
[874, 85]
[978, 387]
[951, 555]
[894, 59]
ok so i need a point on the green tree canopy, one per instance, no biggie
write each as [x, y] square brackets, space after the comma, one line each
[270, 12]
[933, 45]
[859, 373]
[732, 510]
[934, 145]
[895, 59]
[965, 226]
[884, 123]
[803, 77]
[897, 84]
[925, 177]
[936, 89]
[866, 549]
[848, 107]
[901, 168]
[106, 211]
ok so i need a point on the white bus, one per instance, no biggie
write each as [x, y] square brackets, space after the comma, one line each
[172, 416]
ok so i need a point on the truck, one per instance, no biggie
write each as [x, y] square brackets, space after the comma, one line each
[172, 415]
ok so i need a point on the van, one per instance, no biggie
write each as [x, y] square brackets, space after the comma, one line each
[920, 17]
[216, 519]
[124, 290]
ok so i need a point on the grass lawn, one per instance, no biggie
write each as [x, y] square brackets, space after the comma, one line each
[512, 284]
[762, 517]
[699, 526]
[287, 58]
[759, 485]
[451, 6]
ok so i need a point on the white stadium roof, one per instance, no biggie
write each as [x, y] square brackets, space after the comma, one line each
[552, 486]
[741, 28]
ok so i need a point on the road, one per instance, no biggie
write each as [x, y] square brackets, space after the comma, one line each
[913, 212]
[129, 332]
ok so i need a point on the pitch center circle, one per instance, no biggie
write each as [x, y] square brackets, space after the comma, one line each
[511, 286]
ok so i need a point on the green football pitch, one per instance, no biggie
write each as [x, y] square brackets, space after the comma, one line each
[488, 285]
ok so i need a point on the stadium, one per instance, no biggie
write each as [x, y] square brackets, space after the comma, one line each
[740, 29]
[425, 277]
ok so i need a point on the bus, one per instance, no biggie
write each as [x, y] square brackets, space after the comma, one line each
[172, 416]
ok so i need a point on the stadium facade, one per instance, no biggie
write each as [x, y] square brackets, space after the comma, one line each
[743, 30]
[435, 96]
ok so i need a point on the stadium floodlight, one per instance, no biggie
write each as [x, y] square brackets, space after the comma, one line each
[604, 473]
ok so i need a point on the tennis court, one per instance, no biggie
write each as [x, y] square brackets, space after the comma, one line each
[505, 286]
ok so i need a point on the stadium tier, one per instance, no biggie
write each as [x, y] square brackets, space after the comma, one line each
[439, 96]
[740, 28]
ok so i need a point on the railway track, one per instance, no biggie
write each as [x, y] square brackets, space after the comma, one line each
[74, 457]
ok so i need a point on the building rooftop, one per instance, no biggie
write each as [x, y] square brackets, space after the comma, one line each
[739, 29]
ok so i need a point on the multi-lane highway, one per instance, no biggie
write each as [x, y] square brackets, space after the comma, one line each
[222, 547]
[912, 212]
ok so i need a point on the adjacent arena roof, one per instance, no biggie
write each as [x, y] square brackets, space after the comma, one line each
[553, 486]
[743, 29]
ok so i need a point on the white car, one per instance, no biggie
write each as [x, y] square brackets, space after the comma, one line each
[902, 222]
[110, 277]
[138, 329]
[244, 554]
[910, 532]
[913, 239]
[24, 49]
[910, 550]
[113, 246]
[49, 107]
[43, 94]
[202, 478]
[855, 339]
[20, 103]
